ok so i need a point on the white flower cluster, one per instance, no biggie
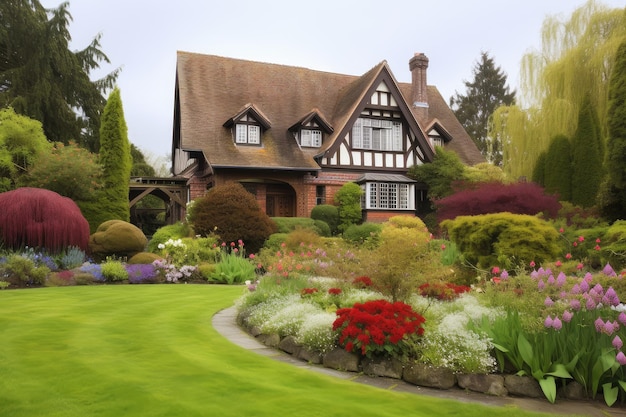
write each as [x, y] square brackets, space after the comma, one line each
[355, 295]
[174, 243]
[288, 320]
[316, 332]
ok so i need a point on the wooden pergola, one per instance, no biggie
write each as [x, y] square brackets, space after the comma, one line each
[172, 190]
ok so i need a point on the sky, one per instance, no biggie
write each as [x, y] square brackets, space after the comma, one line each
[142, 38]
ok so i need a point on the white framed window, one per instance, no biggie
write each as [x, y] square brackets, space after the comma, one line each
[311, 138]
[247, 134]
[377, 134]
[383, 195]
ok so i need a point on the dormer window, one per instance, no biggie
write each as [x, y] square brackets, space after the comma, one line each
[311, 138]
[247, 134]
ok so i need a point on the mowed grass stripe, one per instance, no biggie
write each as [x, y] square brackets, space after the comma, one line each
[150, 350]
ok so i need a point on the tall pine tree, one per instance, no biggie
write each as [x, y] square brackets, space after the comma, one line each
[484, 94]
[40, 77]
[587, 158]
[613, 201]
[558, 168]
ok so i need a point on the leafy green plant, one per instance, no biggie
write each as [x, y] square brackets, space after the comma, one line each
[21, 271]
[348, 198]
[233, 269]
[72, 257]
[113, 270]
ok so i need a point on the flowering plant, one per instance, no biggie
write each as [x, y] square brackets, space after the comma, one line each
[377, 327]
[444, 291]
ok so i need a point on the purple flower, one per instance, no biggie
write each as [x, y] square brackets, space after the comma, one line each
[617, 343]
[541, 285]
[608, 271]
[584, 286]
[561, 279]
[610, 297]
[575, 304]
[548, 322]
[620, 358]
[504, 275]
[599, 323]
[608, 328]
[591, 304]
[541, 271]
[534, 275]
[622, 318]
[551, 280]
[548, 302]
[567, 316]
[588, 277]
[556, 323]
[575, 289]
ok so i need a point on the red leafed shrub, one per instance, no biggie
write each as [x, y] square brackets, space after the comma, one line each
[378, 327]
[43, 219]
[444, 291]
[494, 197]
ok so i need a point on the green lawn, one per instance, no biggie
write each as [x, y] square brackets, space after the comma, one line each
[150, 350]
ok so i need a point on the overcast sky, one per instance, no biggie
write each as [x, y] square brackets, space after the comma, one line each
[342, 36]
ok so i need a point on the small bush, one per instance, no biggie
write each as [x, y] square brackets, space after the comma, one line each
[21, 271]
[171, 231]
[144, 258]
[114, 271]
[117, 238]
[363, 234]
[142, 274]
[72, 258]
[322, 228]
[94, 270]
[614, 244]
[328, 214]
[301, 238]
[348, 198]
[233, 269]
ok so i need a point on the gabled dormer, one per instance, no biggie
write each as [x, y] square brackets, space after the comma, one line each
[437, 134]
[311, 130]
[248, 126]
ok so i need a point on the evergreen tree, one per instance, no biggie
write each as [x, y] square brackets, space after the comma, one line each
[613, 201]
[558, 168]
[539, 172]
[587, 160]
[483, 95]
[42, 78]
[115, 159]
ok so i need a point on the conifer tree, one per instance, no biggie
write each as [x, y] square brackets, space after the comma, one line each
[558, 168]
[40, 77]
[613, 201]
[115, 158]
[486, 92]
[587, 159]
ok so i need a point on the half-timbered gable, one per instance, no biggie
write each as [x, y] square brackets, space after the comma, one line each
[293, 136]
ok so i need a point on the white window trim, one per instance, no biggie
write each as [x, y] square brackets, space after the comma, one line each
[311, 138]
[377, 135]
[388, 196]
[247, 134]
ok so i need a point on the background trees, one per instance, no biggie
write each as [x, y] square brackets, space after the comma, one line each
[486, 92]
[576, 59]
[41, 78]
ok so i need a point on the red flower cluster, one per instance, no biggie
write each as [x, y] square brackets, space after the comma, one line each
[377, 327]
[308, 291]
[445, 291]
[362, 282]
[334, 291]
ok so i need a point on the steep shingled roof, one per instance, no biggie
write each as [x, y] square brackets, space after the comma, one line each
[212, 89]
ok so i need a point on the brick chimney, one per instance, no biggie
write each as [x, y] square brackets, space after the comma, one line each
[419, 94]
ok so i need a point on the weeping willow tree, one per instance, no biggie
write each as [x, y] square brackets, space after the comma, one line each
[576, 58]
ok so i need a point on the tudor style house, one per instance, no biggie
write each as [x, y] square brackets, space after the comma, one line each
[293, 136]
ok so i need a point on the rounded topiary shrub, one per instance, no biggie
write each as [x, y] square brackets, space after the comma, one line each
[233, 214]
[327, 213]
[117, 238]
[40, 218]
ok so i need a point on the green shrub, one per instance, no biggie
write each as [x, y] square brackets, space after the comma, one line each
[144, 258]
[322, 228]
[300, 238]
[614, 245]
[21, 271]
[233, 269]
[205, 270]
[329, 214]
[348, 198]
[503, 239]
[274, 242]
[363, 234]
[72, 257]
[171, 231]
[117, 238]
[114, 271]
[234, 214]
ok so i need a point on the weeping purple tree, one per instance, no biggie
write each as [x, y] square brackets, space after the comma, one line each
[43, 219]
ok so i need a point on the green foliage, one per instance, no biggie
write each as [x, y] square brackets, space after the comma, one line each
[113, 270]
[68, 170]
[140, 167]
[170, 231]
[72, 257]
[614, 198]
[299, 239]
[115, 159]
[22, 271]
[329, 214]
[363, 234]
[43, 78]
[486, 92]
[614, 245]
[143, 258]
[233, 269]
[289, 224]
[575, 59]
[539, 172]
[503, 239]
[348, 198]
[587, 157]
[117, 238]
[21, 141]
[558, 168]
[485, 172]
[233, 213]
[440, 175]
